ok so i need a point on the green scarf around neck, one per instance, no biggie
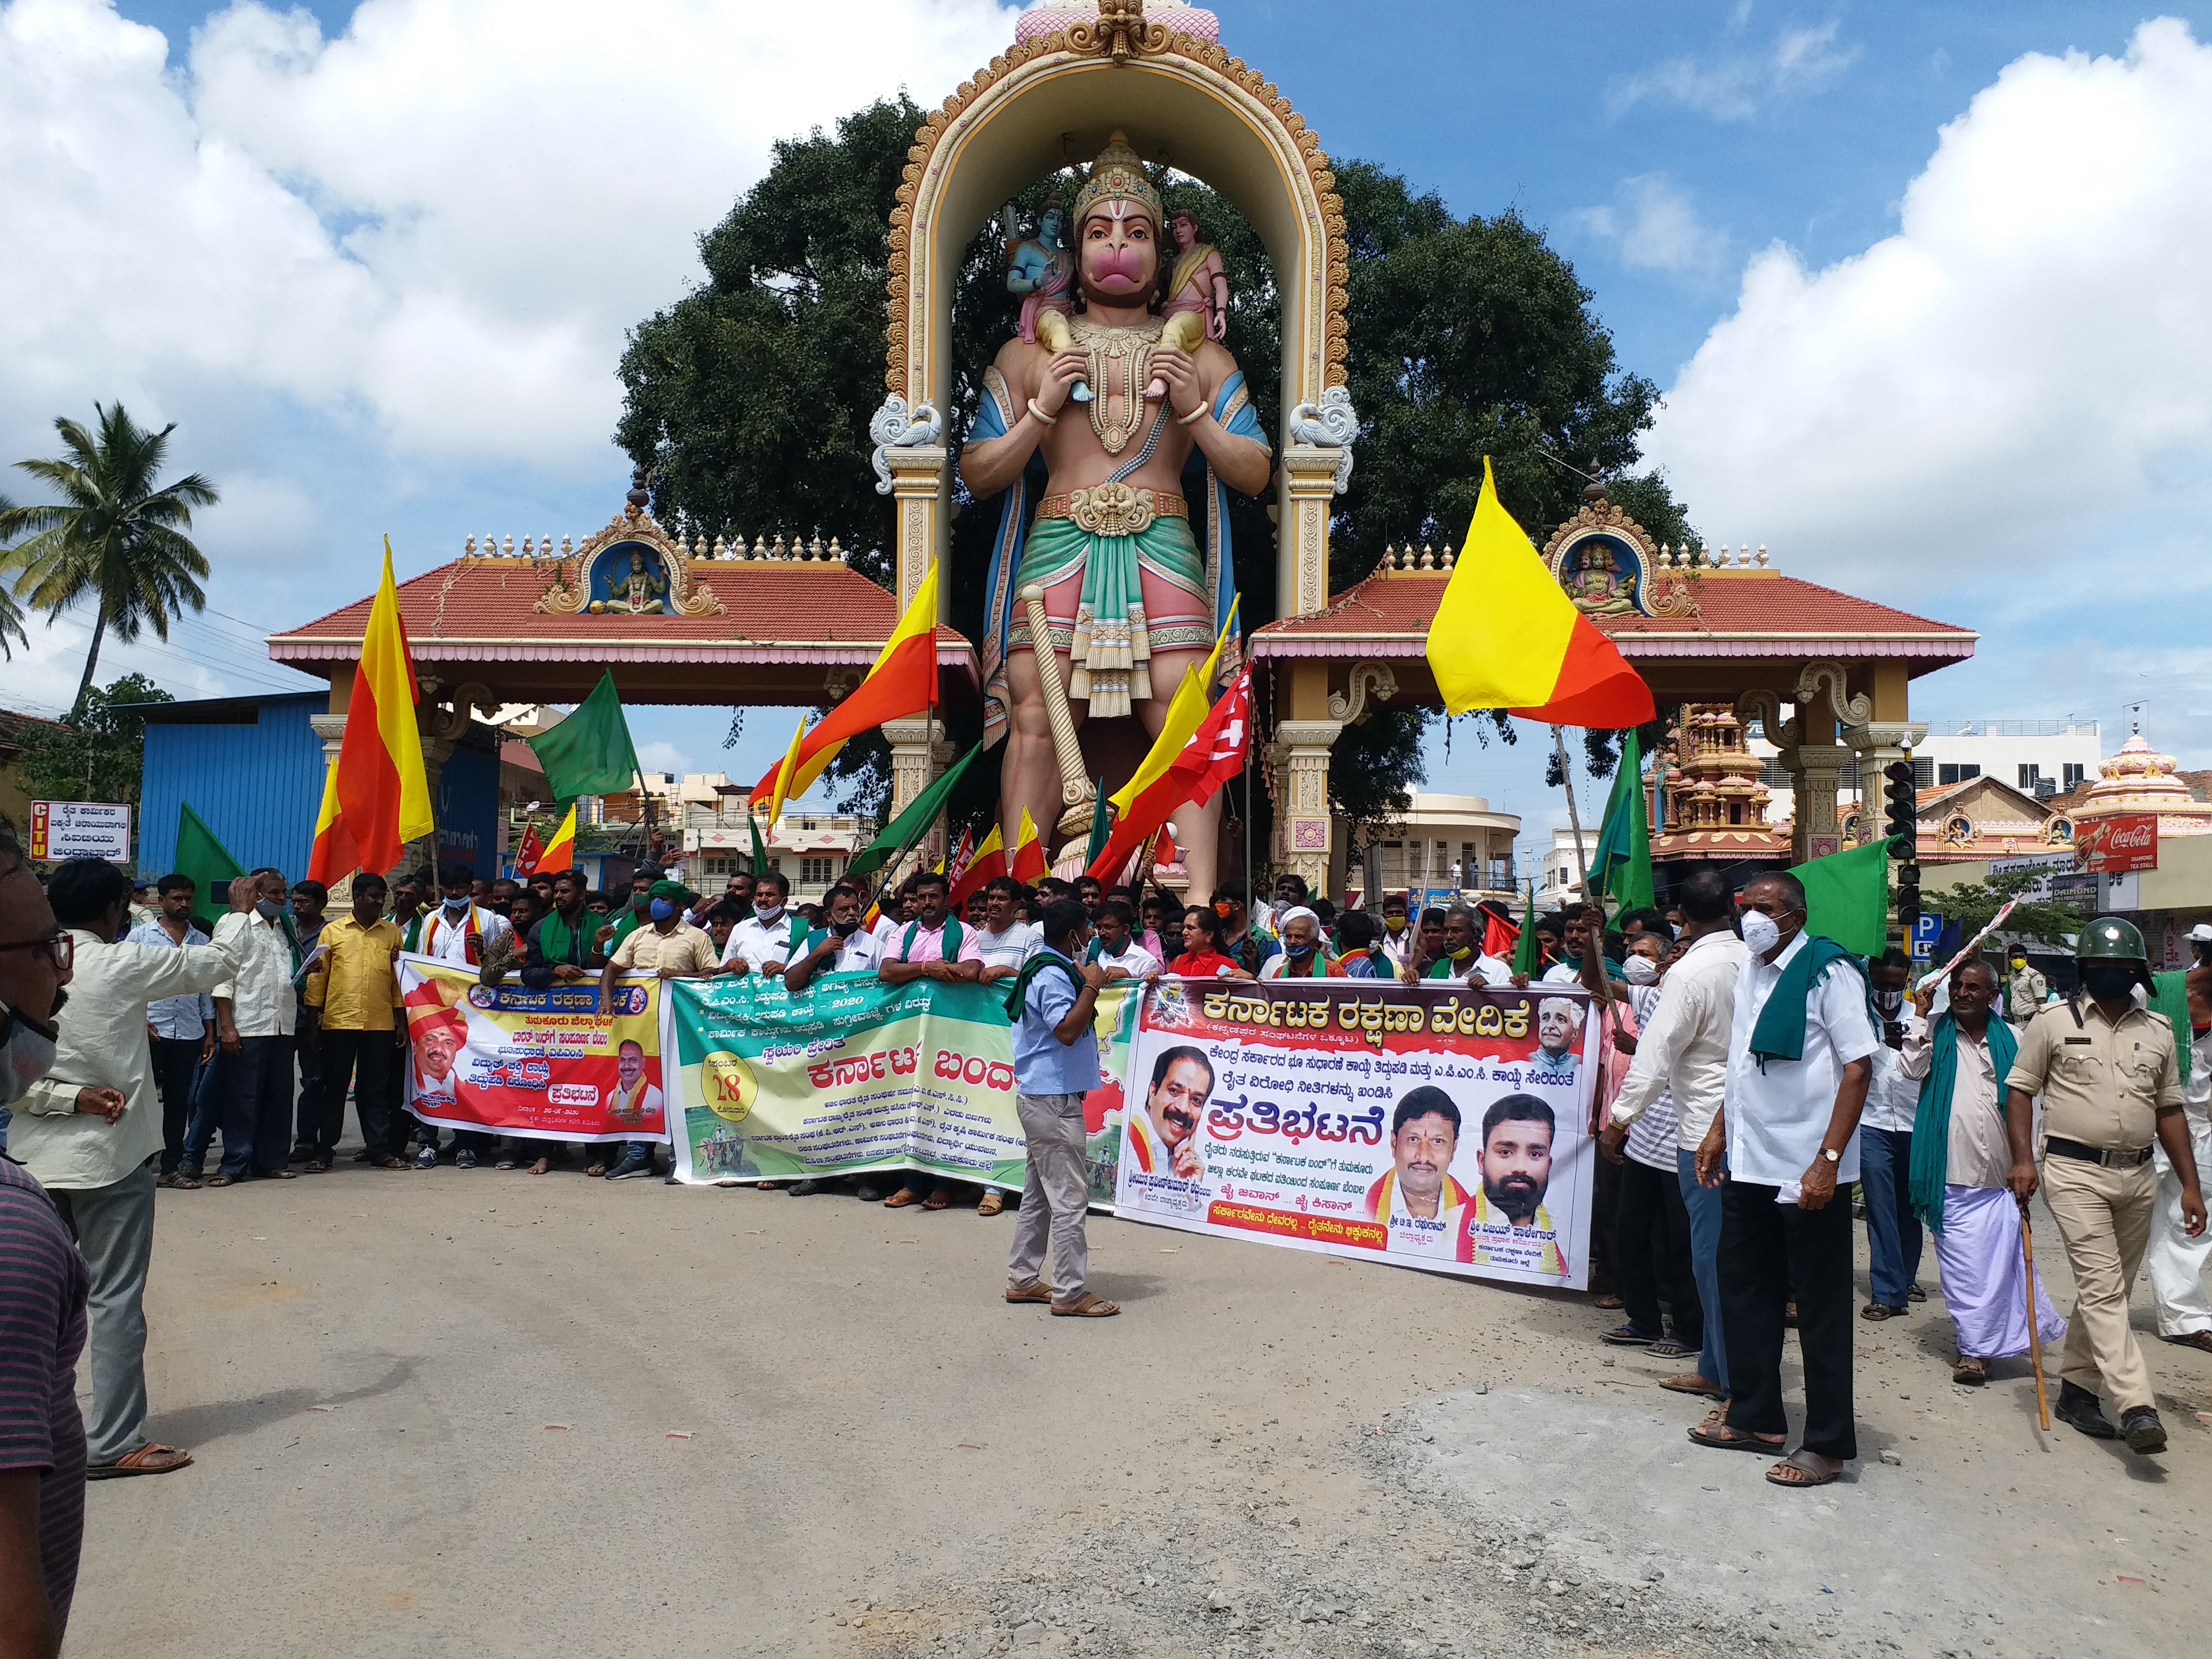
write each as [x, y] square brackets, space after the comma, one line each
[1931, 1120]
[1780, 1032]
[1040, 959]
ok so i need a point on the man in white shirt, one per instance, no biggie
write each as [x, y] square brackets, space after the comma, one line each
[1005, 940]
[1800, 1044]
[770, 938]
[1893, 1237]
[1682, 1054]
[1398, 937]
[1114, 945]
[257, 1020]
[459, 931]
[90, 1131]
[1459, 959]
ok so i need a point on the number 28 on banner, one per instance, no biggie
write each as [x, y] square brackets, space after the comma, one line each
[728, 1084]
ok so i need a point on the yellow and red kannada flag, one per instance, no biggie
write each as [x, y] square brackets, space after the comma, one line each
[560, 852]
[332, 855]
[379, 782]
[903, 681]
[1506, 635]
[1027, 864]
[989, 860]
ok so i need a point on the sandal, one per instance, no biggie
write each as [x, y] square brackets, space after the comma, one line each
[903, 1197]
[185, 1183]
[992, 1203]
[2201, 1340]
[1691, 1382]
[165, 1180]
[1668, 1348]
[1627, 1336]
[1804, 1468]
[1876, 1310]
[221, 1181]
[595, 1168]
[1086, 1306]
[1610, 1302]
[1036, 1290]
[1969, 1372]
[152, 1458]
[1914, 1293]
[316, 1166]
[939, 1200]
[392, 1164]
[1722, 1438]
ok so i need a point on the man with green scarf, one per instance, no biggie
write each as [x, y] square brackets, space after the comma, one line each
[1959, 1164]
[1799, 1055]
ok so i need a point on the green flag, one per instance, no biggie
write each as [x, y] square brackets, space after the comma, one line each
[1847, 897]
[590, 752]
[1102, 826]
[203, 858]
[1525, 957]
[902, 832]
[760, 849]
[1621, 870]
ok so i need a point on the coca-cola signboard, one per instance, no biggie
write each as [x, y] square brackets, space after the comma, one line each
[2115, 846]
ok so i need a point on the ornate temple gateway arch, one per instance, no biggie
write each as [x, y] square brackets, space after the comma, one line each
[1073, 76]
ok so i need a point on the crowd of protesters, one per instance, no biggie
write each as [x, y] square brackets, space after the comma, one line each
[1753, 1073]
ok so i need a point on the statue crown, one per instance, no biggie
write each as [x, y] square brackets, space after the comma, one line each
[1117, 176]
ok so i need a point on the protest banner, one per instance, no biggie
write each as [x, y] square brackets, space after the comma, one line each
[1439, 1127]
[852, 1075]
[545, 1064]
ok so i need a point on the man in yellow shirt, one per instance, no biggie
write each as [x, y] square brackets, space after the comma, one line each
[667, 945]
[355, 988]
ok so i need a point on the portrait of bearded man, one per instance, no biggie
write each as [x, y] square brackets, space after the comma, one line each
[1115, 410]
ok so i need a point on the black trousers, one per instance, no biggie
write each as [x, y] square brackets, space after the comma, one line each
[1651, 1235]
[364, 1060]
[1605, 1214]
[257, 1113]
[175, 1060]
[309, 1020]
[1770, 1254]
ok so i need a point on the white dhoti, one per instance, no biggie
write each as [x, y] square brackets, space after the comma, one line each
[2176, 1261]
[1984, 1276]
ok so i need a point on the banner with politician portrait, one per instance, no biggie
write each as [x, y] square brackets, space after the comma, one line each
[1439, 1127]
[549, 1064]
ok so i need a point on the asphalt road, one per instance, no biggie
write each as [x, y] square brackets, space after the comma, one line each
[479, 1414]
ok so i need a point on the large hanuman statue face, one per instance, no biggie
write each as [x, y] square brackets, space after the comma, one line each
[1119, 254]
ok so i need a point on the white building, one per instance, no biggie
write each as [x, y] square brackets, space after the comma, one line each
[2037, 757]
[1446, 847]
[810, 848]
[1559, 878]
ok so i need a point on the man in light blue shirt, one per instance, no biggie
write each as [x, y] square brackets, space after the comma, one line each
[1052, 1005]
[180, 1030]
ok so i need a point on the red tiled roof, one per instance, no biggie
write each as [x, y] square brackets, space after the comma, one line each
[1741, 613]
[478, 610]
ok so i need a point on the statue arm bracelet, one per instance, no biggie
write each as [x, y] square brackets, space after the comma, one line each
[1041, 417]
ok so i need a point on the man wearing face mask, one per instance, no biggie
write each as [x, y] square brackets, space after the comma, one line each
[671, 947]
[1454, 956]
[90, 1131]
[2025, 990]
[2177, 1260]
[257, 1022]
[457, 930]
[1800, 1044]
[772, 936]
[1893, 1238]
[2111, 1085]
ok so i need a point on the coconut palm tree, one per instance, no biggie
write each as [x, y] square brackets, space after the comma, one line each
[11, 614]
[116, 538]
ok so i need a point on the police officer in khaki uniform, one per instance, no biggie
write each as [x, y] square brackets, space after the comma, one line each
[2026, 988]
[2110, 1087]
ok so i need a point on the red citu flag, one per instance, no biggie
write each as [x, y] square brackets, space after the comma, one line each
[903, 681]
[988, 860]
[962, 856]
[1027, 864]
[332, 857]
[1499, 934]
[381, 791]
[1217, 751]
[528, 852]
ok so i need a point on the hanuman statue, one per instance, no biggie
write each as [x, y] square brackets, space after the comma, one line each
[1131, 597]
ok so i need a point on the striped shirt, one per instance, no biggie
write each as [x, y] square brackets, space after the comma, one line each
[43, 1281]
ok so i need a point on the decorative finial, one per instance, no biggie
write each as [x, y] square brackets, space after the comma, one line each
[639, 497]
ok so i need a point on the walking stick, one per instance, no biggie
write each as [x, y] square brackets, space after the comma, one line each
[2035, 1326]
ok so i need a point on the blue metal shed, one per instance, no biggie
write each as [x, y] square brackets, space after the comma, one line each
[250, 767]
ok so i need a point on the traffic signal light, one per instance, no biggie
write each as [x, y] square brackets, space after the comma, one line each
[1908, 896]
[1904, 803]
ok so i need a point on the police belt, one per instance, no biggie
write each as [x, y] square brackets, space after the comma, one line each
[1114, 508]
[2059, 1147]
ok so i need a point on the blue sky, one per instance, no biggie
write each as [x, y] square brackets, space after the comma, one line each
[434, 354]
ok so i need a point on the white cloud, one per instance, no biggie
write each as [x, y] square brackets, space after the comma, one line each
[663, 756]
[438, 224]
[1736, 85]
[2008, 399]
[1651, 224]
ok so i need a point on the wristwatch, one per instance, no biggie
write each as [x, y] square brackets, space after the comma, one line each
[1831, 1155]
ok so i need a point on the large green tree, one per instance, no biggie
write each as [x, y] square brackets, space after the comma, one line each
[100, 754]
[748, 400]
[115, 538]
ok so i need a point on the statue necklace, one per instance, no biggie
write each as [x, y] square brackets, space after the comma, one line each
[1125, 354]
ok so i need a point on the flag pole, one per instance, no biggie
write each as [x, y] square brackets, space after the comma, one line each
[1574, 817]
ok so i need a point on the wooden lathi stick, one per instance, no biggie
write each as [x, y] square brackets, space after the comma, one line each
[2034, 1325]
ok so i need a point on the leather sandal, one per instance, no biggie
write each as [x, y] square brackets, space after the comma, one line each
[1804, 1468]
[901, 1199]
[992, 1202]
[152, 1458]
[1969, 1372]
[1036, 1290]
[1086, 1306]
[2201, 1340]
[939, 1200]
